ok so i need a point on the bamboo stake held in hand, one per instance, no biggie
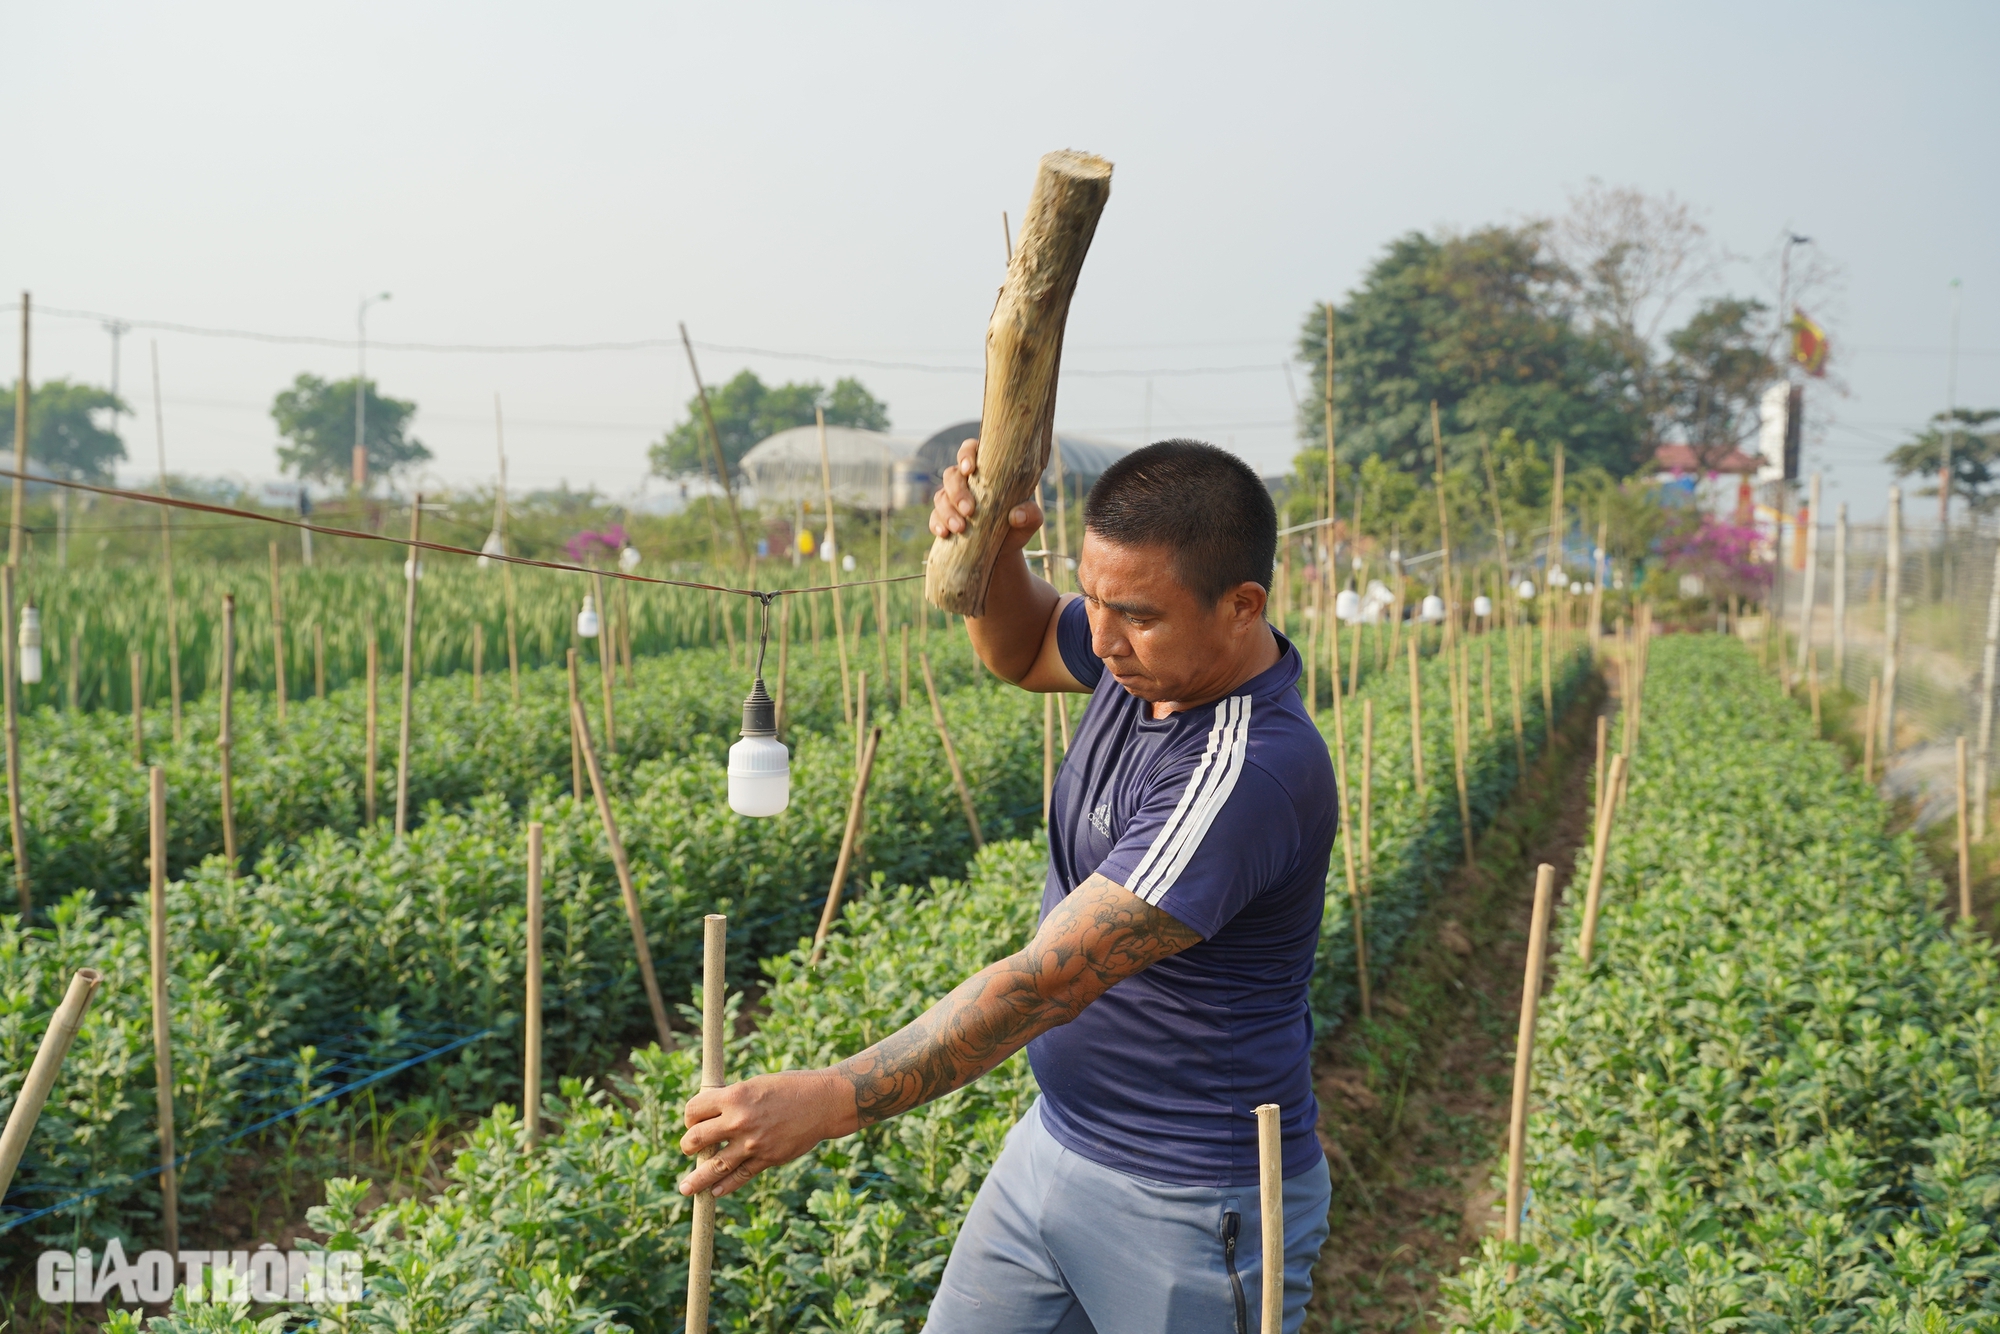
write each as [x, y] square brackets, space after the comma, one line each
[714, 1002]
[42, 1074]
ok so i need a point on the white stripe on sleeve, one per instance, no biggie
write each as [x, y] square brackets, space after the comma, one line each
[1207, 791]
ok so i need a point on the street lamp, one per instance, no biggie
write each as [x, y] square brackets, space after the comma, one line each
[361, 390]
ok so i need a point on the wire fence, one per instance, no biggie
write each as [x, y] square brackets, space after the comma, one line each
[1942, 684]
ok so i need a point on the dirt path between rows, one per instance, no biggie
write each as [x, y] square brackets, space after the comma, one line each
[1413, 1102]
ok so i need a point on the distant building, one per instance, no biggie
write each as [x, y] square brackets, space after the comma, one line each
[1084, 458]
[1716, 478]
[868, 469]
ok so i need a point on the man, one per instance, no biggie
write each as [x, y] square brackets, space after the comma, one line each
[1164, 994]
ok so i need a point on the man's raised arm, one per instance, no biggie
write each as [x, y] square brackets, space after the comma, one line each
[1017, 635]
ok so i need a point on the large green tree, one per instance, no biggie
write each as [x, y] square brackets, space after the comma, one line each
[747, 410]
[317, 419]
[1714, 376]
[64, 435]
[1484, 325]
[1972, 437]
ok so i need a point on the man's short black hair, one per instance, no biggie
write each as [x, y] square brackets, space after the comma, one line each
[1203, 504]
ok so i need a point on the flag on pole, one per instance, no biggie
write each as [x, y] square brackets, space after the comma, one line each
[1809, 345]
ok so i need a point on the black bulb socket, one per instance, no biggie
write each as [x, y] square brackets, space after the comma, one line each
[760, 712]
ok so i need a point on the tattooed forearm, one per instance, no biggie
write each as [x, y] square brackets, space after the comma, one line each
[1099, 935]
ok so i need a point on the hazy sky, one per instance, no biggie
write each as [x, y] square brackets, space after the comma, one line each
[829, 180]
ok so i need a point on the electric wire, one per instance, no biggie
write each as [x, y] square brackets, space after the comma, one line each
[230, 511]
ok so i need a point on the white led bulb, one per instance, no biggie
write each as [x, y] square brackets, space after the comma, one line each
[760, 768]
[586, 620]
[31, 645]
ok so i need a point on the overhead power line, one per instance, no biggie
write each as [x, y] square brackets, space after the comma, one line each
[624, 345]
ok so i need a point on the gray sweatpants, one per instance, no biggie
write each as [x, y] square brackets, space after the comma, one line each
[1057, 1244]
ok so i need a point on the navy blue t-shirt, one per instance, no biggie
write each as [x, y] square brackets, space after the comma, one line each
[1224, 818]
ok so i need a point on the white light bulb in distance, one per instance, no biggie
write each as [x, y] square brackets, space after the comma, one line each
[31, 645]
[1482, 606]
[1347, 604]
[1433, 610]
[760, 768]
[628, 558]
[491, 547]
[1575, 588]
[586, 620]
[1526, 590]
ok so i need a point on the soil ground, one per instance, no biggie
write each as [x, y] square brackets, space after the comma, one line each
[1414, 1100]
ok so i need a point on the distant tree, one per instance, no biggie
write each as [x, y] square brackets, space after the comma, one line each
[1975, 455]
[317, 418]
[63, 435]
[1484, 324]
[1714, 377]
[748, 411]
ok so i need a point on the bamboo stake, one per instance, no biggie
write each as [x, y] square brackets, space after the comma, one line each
[42, 1074]
[319, 661]
[163, 1050]
[531, 1075]
[1868, 729]
[624, 869]
[860, 716]
[1605, 809]
[513, 647]
[1271, 1201]
[9, 670]
[1840, 596]
[1603, 744]
[278, 634]
[1062, 720]
[607, 652]
[371, 728]
[1356, 903]
[857, 805]
[1892, 626]
[903, 632]
[409, 670]
[1486, 674]
[575, 747]
[714, 1004]
[138, 711]
[1312, 651]
[224, 741]
[1416, 717]
[833, 570]
[478, 656]
[784, 658]
[1982, 766]
[1812, 690]
[951, 753]
[1368, 792]
[1964, 841]
[23, 394]
[1809, 602]
[167, 551]
[1524, 1050]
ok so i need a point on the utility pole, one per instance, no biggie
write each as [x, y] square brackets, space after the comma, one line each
[361, 391]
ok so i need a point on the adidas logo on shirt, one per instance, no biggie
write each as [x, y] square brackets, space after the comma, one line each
[1100, 820]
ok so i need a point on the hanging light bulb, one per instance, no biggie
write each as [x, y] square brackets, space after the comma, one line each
[586, 620]
[412, 569]
[1575, 588]
[1347, 605]
[847, 563]
[1433, 610]
[1526, 591]
[31, 645]
[628, 558]
[490, 548]
[1482, 606]
[760, 768]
